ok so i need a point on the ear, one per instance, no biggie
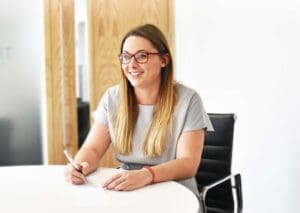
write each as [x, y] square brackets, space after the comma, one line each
[165, 60]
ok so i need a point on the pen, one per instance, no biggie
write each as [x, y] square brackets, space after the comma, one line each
[71, 160]
[73, 163]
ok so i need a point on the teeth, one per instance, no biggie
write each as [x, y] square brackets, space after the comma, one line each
[135, 73]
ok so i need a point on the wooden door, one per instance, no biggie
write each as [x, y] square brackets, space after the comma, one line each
[60, 79]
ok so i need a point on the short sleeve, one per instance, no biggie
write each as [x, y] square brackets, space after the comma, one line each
[101, 113]
[196, 117]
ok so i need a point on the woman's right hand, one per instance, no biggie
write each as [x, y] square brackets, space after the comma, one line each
[74, 176]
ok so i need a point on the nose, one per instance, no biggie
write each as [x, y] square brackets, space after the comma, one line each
[132, 62]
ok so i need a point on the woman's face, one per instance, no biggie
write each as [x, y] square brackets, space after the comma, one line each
[142, 75]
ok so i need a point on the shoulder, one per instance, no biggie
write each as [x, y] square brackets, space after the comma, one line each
[186, 93]
[110, 96]
[111, 93]
[188, 99]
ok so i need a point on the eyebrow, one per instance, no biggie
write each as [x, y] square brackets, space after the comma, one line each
[125, 51]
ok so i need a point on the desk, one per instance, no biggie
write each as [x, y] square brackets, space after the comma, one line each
[42, 189]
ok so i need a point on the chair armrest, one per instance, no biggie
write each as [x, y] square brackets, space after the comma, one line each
[237, 185]
[206, 188]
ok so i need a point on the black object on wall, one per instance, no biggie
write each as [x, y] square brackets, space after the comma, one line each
[5, 141]
[83, 120]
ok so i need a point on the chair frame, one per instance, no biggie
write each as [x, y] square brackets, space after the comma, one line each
[236, 187]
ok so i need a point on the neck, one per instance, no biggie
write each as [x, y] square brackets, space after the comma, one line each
[147, 96]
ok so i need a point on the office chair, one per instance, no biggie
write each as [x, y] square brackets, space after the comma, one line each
[215, 182]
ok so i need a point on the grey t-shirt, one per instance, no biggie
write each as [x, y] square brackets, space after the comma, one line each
[189, 115]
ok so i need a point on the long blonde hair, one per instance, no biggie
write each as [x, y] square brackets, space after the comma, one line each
[127, 111]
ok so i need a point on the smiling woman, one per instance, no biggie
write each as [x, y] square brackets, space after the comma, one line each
[155, 125]
[107, 23]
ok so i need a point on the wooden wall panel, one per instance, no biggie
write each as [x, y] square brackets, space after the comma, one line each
[108, 22]
[54, 64]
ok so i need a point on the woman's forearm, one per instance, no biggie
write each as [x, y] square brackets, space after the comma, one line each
[87, 154]
[94, 147]
[189, 151]
[177, 169]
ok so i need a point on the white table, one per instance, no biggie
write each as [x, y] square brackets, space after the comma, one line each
[43, 189]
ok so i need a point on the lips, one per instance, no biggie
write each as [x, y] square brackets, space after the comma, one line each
[135, 74]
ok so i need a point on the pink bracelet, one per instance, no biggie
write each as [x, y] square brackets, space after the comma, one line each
[152, 173]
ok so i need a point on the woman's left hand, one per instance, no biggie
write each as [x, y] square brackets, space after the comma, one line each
[128, 180]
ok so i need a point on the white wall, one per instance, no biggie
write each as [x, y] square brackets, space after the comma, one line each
[244, 57]
[21, 29]
[81, 32]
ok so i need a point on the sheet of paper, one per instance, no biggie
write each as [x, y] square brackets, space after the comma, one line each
[89, 195]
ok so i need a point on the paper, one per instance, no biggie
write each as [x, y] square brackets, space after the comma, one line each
[89, 195]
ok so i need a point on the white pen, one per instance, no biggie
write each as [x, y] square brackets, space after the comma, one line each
[71, 160]
[73, 163]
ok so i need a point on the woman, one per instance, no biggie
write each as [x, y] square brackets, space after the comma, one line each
[156, 126]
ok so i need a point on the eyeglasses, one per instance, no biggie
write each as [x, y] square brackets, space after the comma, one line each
[140, 57]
